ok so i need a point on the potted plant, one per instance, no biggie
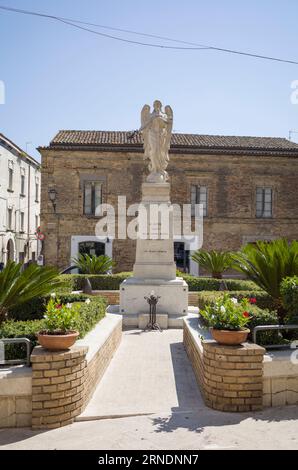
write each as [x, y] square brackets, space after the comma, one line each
[59, 320]
[227, 319]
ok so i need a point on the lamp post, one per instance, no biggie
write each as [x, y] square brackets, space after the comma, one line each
[53, 196]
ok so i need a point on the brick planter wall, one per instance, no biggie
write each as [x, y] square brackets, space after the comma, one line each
[230, 377]
[112, 296]
[63, 381]
[57, 386]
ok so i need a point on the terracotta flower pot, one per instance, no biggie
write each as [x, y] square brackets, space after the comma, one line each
[229, 337]
[57, 342]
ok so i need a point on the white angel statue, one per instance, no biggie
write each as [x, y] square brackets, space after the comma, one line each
[156, 128]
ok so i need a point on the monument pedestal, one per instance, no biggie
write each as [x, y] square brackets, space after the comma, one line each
[154, 268]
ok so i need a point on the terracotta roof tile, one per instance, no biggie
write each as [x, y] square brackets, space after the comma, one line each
[189, 142]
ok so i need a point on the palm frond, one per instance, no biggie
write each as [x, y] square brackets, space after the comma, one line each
[267, 264]
[214, 262]
[92, 264]
[18, 286]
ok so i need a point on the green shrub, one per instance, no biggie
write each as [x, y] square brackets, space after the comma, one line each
[264, 317]
[35, 309]
[289, 294]
[259, 317]
[196, 284]
[113, 281]
[89, 315]
[67, 283]
[263, 300]
[98, 281]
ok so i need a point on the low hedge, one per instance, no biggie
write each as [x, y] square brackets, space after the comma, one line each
[211, 284]
[265, 317]
[289, 293]
[113, 281]
[35, 309]
[98, 281]
[264, 300]
[90, 315]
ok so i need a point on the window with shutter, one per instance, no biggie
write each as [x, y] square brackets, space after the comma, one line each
[22, 221]
[199, 195]
[22, 185]
[264, 202]
[9, 219]
[92, 198]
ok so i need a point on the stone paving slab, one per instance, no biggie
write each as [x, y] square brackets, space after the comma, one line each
[272, 429]
[150, 373]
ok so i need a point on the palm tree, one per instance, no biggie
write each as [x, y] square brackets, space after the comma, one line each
[18, 286]
[267, 264]
[215, 262]
[92, 264]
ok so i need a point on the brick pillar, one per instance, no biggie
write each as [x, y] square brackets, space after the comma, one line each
[57, 386]
[233, 376]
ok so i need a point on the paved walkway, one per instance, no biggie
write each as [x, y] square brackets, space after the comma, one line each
[150, 373]
[273, 429]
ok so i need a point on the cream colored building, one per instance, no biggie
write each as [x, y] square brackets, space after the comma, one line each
[19, 203]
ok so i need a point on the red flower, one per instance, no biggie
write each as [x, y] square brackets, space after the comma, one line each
[58, 306]
[245, 314]
[253, 300]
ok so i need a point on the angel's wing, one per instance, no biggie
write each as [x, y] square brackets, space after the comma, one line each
[145, 113]
[169, 113]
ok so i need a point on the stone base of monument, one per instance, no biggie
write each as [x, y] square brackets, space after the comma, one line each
[140, 320]
[172, 305]
[161, 319]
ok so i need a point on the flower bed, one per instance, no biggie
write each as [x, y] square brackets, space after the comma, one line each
[90, 314]
[36, 308]
[258, 316]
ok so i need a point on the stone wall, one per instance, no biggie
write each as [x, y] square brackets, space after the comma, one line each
[231, 182]
[15, 397]
[62, 382]
[230, 377]
[280, 378]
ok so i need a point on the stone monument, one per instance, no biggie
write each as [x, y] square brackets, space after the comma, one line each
[154, 269]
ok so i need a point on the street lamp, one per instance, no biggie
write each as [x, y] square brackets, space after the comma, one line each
[53, 196]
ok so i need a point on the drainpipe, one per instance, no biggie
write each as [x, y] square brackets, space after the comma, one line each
[28, 220]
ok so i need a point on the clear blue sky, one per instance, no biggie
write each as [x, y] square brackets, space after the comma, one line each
[57, 77]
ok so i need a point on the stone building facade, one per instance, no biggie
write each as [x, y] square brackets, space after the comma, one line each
[247, 185]
[19, 203]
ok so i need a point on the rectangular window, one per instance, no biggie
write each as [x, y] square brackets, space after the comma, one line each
[199, 195]
[264, 202]
[36, 192]
[9, 219]
[22, 221]
[10, 179]
[22, 185]
[36, 221]
[92, 198]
